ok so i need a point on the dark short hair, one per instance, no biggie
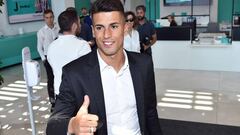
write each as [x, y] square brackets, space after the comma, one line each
[134, 17]
[107, 6]
[47, 11]
[83, 8]
[71, 8]
[66, 20]
[141, 7]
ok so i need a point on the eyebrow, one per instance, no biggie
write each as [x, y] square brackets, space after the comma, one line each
[109, 24]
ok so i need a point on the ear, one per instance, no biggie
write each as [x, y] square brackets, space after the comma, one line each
[74, 27]
[93, 33]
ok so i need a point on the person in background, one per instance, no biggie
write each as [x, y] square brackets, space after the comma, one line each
[67, 47]
[109, 91]
[86, 34]
[86, 17]
[146, 30]
[45, 36]
[131, 36]
[171, 20]
[86, 28]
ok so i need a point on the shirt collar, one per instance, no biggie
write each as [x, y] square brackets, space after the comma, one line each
[67, 36]
[103, 65]
[54, 27]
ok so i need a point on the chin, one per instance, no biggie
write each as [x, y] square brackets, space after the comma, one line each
[108, 52]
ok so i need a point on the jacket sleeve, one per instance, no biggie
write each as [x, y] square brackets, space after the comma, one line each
[65, 108]
[152, 121]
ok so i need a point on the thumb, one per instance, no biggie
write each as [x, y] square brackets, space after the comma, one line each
[84, 108]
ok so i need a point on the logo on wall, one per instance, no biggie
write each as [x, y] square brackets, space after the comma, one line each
[26, 10]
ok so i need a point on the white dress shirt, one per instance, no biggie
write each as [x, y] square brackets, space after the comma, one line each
[45, 36]
[62, 51]
[119, 96]
[131, 42]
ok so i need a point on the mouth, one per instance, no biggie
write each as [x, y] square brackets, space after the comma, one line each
[108, 44]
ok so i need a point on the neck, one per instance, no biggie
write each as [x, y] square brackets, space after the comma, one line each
[68, 33]
[116, 61]
[130, 31]
[51, 26]
[142, 21]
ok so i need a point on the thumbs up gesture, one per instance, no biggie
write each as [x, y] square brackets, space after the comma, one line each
[83, 122]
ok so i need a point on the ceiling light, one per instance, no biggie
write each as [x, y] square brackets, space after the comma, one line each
[206, 108]
[203, 102]
[204, 93]
[184, 106]
[13, 94]
[180, 91]
[8, 98]
[204, 97]
[177, 100]
[178, 95]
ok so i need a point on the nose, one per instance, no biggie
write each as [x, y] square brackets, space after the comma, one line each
[107, 33]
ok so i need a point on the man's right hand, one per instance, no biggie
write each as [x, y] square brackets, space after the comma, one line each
[145, 47]
[83, 122]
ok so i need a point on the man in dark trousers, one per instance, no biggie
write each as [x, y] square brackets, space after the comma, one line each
[146, 30]
[45, 36]
[109, 91]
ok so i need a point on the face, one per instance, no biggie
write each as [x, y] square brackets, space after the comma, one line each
[49, 18]
[140, 14]
[169, 19]
[108, 29]
[84, 11]
[130, 21]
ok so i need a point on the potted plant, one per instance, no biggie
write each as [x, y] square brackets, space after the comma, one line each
[1, 3]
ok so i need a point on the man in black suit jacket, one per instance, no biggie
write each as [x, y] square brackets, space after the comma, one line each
[82, 106]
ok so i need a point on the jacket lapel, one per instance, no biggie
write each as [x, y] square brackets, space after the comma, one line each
[96, 91]
[138, 89]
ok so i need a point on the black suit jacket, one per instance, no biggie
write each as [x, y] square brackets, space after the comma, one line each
[82, 77]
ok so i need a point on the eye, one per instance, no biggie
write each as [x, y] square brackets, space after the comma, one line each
[98, 28]
[114, 26]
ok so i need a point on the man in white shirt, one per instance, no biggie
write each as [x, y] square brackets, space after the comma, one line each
[67, 47]
[45, 36]
[109, 91]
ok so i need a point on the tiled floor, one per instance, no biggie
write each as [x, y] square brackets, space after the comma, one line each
[202, 96]
[14, 116]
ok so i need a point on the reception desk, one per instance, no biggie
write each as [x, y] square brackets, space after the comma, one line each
[11, 48]
[182, 55]
[173, 33]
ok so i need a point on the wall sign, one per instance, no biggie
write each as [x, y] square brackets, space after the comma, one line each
[26, 10]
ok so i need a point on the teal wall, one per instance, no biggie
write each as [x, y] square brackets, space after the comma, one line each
[11, 48]
[151, 5]
[82, 3]
[152, 9]
[225, 9]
